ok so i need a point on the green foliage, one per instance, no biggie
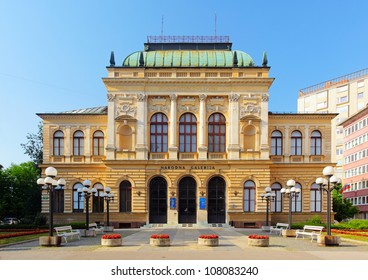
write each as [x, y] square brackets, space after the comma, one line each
[353, 224]
[316, 220]
[343, 208]
[77, 225]
[40, 220]
[34, 146]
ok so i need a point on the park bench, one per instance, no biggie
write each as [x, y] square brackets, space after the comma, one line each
[66, 231]
[98, 229]
[310, 231]
[278, 228]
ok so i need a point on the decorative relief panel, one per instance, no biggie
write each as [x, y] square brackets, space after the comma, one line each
[217, 108]
[249, 109]
[187, 108]
[158, 107]
[125, 110]
[234, 97]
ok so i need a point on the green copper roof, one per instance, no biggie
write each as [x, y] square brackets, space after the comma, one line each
[188, 58]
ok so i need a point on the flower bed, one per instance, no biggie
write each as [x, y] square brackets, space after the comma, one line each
[9, 235]
[351, 232]
[258, 240]
[208, 240]
[111, 240]
[160, 240]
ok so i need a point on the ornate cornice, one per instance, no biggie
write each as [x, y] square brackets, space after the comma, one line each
[110, 97]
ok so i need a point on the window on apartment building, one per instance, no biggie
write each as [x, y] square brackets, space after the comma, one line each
[342, 88]
[296, 204]
[58, 143]
[342, 99]
[249, 196]
[187, 133]
[276, 205]
[296, 143]
[158, 133]
[98, 143]
[360, 84]
[276, 143]
[78, 143]
[315, 199]
[98, 200]
[216, 133]
[342, 109]
[316, 143]
[78, 198]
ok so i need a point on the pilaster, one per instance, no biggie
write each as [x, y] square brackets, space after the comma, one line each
[233, 147]
[202, 148]
[264, 127]
[173, 147]
[110, 147]
[141, 147]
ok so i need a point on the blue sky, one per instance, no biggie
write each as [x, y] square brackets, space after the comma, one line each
[53, 54]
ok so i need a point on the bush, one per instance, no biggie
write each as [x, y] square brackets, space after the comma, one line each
[40, 220]
[353, 224]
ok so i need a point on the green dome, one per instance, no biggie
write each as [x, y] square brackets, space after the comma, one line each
[188, 58]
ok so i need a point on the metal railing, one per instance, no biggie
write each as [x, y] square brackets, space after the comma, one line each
[188, 39]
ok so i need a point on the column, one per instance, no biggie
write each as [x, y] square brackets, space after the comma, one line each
[306, 146]
[87, 144]
[286, 144]
[141, 147]
[173, 147]
[110, 147]
[202, 147]
[233, 146]
[264, 127]
[67, 144]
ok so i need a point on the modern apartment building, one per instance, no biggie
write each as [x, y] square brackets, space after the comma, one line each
[356, 161]
[343, 95]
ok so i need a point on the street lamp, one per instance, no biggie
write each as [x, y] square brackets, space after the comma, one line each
[268, 196]
[108, 196]
[87, 194]
[291, 192]
[328, 186]
[50, 185]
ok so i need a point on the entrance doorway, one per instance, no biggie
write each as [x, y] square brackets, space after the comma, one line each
[187, 201]
[216, 201]
[158, 201]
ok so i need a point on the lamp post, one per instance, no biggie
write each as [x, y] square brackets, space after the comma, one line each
[87, 194]
[268, 196]
[291, 192]
[49, 184]
[328, 186]
[108, 196]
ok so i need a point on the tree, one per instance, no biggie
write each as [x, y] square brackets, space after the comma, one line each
[343, 208]
[34, 146]
[19, 193]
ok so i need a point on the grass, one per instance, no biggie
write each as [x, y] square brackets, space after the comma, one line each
[352, 237]
[11, 240]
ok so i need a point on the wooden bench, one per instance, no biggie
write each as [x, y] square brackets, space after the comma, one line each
[310, 231]
[98, 229]
[66, 231]
[278, 228]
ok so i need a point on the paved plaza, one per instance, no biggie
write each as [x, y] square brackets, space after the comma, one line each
[233, 246]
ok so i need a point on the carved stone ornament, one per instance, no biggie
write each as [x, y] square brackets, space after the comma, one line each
[173, 97]
[234, 97]
[110, 97]
[158, 108]
[202, 97]
[141, 97]
[126, 110]
[215, 108]
[249, 109]
[187, 108]
[265, 97]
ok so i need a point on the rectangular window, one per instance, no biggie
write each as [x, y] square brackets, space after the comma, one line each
[360, 84]
[343, 88]
[360, 95]
[342, 109]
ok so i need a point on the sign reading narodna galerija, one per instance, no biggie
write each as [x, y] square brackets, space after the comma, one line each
[182, 167]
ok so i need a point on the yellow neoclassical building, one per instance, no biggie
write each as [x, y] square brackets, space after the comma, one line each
[186, 139]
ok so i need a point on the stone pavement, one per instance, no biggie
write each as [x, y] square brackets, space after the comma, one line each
[233, 246]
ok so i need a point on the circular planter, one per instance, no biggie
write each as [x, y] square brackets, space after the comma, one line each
[258, 242]
[328, 240]
[50, 241]
[161, 242]
[208, 241]
[112, 242]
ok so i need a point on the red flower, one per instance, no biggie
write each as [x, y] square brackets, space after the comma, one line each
[111, 236]
[9, 235]
[160, 236]
[209, 236]
[255, 236]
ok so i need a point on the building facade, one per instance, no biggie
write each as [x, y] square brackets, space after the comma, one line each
[356, 161]
[186, 139]
[343, 95]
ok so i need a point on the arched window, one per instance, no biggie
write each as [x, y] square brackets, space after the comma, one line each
[125, 196]
[276, 205]
[98, 201]
[187, 133]
[296, 143]
[78, 143]
[276, 143]
[216, 133]
[58, 143]
[316, 143]
[296, 203]
[315, 199]
[249, 193]
[158, 135]
[78, 198]
[98, 143]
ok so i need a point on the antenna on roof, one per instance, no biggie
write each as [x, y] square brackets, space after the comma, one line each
[215, 23]
[162, 26]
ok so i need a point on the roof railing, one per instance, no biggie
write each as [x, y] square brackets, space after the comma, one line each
[340, 80]
[188, 39]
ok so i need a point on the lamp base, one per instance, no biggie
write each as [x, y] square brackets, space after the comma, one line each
[328, 240]
[50, 241]
[289, 233]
